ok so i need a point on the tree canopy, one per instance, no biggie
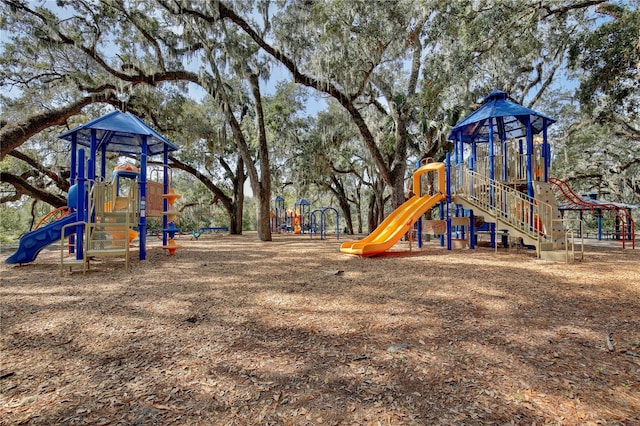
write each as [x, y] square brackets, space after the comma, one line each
[229, 82]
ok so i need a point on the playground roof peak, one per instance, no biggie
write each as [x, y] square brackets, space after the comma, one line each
[121, 132]
[508, 119]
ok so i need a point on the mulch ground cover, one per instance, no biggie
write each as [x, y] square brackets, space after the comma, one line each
[234, 331]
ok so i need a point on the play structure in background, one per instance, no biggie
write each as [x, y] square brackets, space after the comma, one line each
[202, 218]
[619, 213]
[302, 220]
[171, 230]
[499, 171]
[103, 212]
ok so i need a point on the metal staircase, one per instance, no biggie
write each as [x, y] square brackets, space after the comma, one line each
[107, 232]
[535, 220]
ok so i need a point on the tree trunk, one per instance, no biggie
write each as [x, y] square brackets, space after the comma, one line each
[371, 213]
[235, 221]
[359, 210]
[262, 188]
[343, 202]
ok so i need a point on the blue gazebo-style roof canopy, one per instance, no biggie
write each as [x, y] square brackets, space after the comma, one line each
[498, 120]
[510, 120]
[120, 132]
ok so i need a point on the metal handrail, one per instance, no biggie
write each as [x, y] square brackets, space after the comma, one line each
[69, 244]
[532, 217]
[570, 236]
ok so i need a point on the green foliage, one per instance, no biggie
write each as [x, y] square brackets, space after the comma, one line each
[148, 52]
[12, 222]
[608, 57]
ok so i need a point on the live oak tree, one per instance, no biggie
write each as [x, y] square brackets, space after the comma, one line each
[603, 143]
[403, 72]
[146, 52]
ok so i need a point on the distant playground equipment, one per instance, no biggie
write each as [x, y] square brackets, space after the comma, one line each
[499, 170]
[294, 220]
[624, 226]
[104, 212]
[200, 218]
[319, 220]
[301, 219]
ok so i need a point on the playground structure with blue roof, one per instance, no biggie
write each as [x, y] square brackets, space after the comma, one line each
[497, 176]
[107, 211]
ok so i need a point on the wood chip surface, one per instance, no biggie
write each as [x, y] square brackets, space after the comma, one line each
[234, 331]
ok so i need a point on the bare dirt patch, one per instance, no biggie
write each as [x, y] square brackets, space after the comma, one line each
[234, 331]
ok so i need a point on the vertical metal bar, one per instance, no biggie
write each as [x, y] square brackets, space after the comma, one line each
[81, 213]
[142, 221]
[166, 186]
[546, 150]
[103, 161]
[91, 172]
[74, 158]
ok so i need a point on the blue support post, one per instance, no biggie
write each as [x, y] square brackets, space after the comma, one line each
[456, 143]
[103, 161]
[474, 155]
[81, 213]
[530, 170]
[165, 190]
[448, 198]
[492, 165]
[505, 159]
[599, 224]
[74, 159]
[142, 222]
[91, 172]
[89, 215]
[472, 230]
[73, 173]
[546, 150]
[442, 203]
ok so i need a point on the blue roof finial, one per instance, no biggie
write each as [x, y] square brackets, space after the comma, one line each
[496, 95]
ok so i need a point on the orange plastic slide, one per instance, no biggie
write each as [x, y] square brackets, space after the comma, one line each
[391, 230]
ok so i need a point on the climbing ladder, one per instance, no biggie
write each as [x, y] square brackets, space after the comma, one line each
[108, 230]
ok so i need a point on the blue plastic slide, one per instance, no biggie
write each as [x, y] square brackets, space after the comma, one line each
[31, 243]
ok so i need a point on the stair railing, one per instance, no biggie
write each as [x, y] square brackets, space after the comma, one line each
[508, 205]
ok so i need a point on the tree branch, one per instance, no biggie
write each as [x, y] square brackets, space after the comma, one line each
[60, 181]
[23, 187]
[15, 133]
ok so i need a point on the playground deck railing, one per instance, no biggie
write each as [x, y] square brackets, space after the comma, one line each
[104, 202]
[514, 170]
[507, 205]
